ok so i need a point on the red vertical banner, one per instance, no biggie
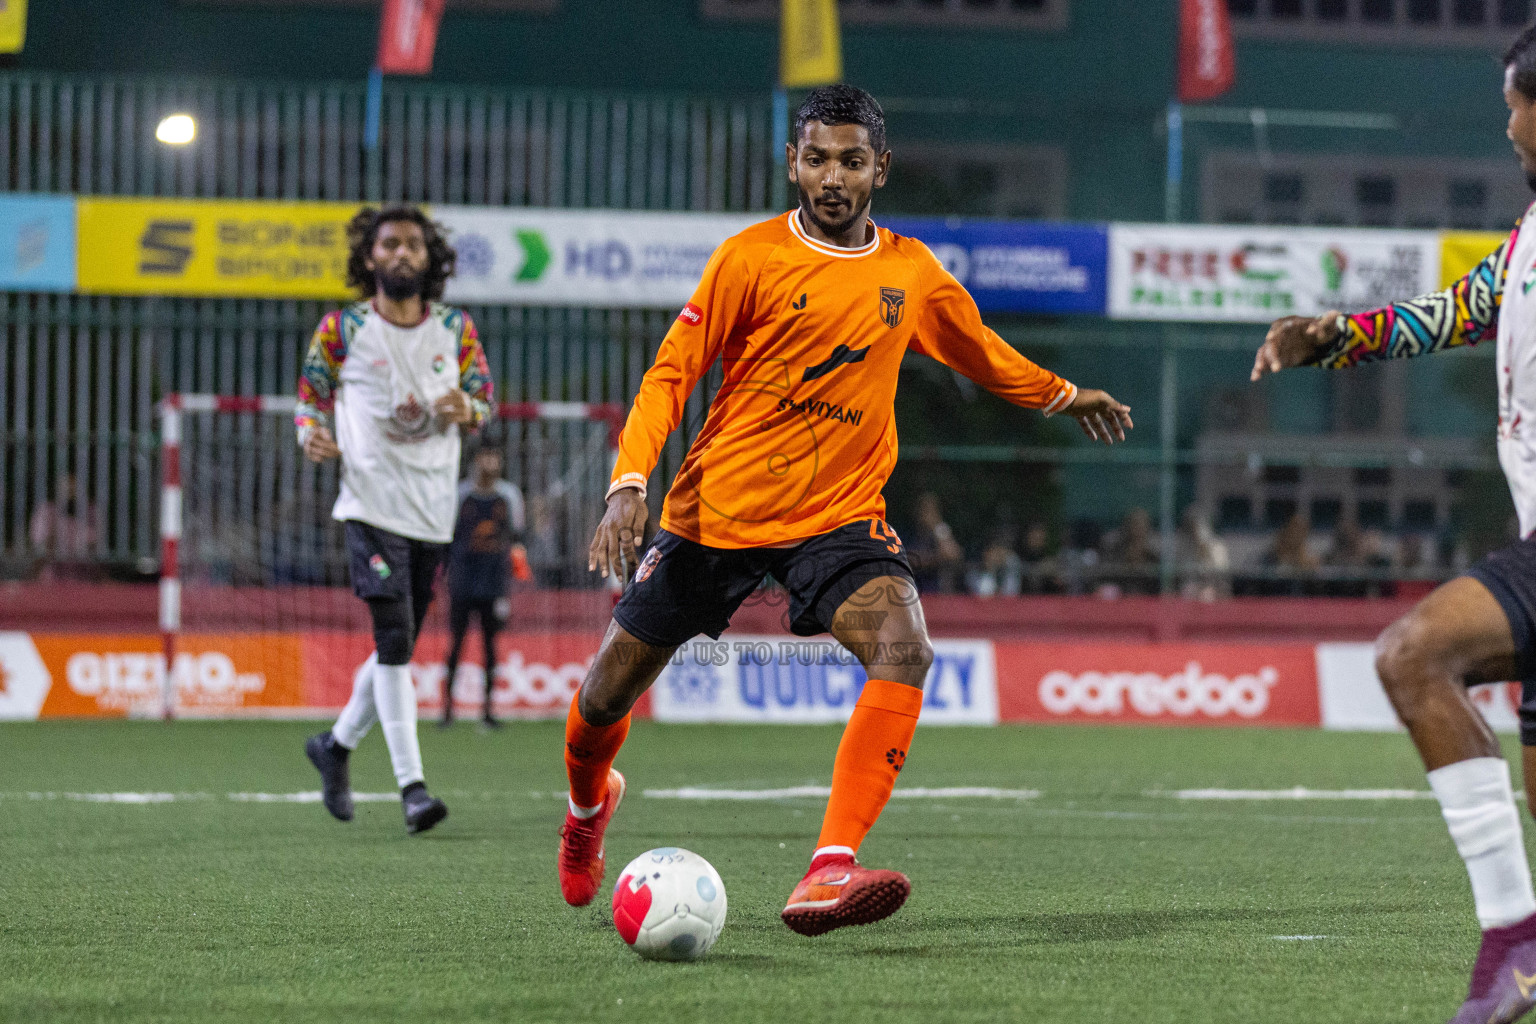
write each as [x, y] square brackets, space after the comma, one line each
[1206, 64]
[408, 35]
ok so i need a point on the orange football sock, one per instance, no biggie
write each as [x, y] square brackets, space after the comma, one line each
[869, 757]
[589, 753]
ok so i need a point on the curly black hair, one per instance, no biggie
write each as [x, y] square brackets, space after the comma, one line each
[363, 231]
[1521, 55]
[843, 104]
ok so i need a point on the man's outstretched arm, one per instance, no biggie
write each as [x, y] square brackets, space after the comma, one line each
[1463, 314]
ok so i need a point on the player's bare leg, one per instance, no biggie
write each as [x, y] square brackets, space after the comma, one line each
[1457, 636]
[625, 667]
[882, 625]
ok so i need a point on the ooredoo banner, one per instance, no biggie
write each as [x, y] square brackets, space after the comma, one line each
[1164, 684]
[1257, 274]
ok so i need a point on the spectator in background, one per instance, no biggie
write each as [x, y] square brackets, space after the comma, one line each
[486, 551]
[1042, 567]
[1130, 557]
[1295, 566]
[544, 555]
[1001, 571]
[63, 533]
[1357, 560]
[1412, 558]
[1204, 565]
[935, 556]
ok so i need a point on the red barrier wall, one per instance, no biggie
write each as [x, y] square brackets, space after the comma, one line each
[129, 608]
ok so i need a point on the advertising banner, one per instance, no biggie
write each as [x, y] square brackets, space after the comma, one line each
[805, 680]
[536, 677]
[37, 243]
[1460, 251]
[1353, 699]
[1258, 274]
[608, 258]
[213, 247]
[1168, 684]
[51, 675]
[1020, 267]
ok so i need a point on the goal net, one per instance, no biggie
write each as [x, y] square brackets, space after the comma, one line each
[257, 613]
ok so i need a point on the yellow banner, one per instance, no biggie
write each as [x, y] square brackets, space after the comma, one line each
[1460, 251]
[810, 48]
[13, 25]
[250, 249]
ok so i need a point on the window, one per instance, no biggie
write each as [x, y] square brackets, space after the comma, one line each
[1419, 514]
[1356, 189]
[1278, 512]
[1234, 513]
[1373, 476]
[1326, 513]
[1465, 23]
[979, 180]
[1021, 14]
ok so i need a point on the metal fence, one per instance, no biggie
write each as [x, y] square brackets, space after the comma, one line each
[80, 375]
[72, 134]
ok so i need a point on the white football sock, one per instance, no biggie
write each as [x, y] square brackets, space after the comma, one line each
[396, 700]
[582, 812]
[825, 851]
[1479, 807]
[359, 714]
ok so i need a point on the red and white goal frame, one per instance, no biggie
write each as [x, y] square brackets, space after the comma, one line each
[171, 409]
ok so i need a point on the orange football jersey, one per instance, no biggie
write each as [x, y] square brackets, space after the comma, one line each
[801, 437]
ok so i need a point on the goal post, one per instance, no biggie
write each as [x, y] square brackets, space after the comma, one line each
[254, 589]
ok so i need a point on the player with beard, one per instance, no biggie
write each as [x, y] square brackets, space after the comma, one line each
[1480, 627]
[401, 376]
[811, 313]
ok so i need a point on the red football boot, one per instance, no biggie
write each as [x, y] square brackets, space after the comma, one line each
[836, 892]
[581, 847]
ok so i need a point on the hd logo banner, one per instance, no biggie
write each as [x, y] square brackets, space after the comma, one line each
[794, 679]
[582, 257]
[214, 248]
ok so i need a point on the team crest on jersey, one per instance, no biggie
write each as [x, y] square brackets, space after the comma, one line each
[893, 305]
[438, 362]
[648, 565]
[410, 420]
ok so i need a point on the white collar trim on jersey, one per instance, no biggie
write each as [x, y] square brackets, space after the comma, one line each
[832, 250]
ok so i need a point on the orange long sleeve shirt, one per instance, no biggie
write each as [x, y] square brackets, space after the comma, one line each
[801, 437]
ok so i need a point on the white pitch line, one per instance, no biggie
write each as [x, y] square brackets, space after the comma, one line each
[309, 797]
[1299, 938]
[1295, 793]
[790, 792]
[119, 798]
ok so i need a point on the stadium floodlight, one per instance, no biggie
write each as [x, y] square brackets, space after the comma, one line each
[176, 129]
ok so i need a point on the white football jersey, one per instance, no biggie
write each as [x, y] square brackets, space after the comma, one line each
[1517, 377]
[399, 460]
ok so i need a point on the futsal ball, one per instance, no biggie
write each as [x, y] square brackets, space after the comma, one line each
[669, 904]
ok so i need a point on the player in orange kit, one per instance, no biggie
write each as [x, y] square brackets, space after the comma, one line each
[811, 313]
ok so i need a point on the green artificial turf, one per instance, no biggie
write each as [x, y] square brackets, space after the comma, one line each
[1094, 901]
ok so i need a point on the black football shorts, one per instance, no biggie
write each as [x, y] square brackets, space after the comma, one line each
[681, 589]
[1510, 574]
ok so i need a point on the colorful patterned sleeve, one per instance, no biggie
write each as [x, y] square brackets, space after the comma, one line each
[318, 379]
[1464, 314]
[475, 373]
